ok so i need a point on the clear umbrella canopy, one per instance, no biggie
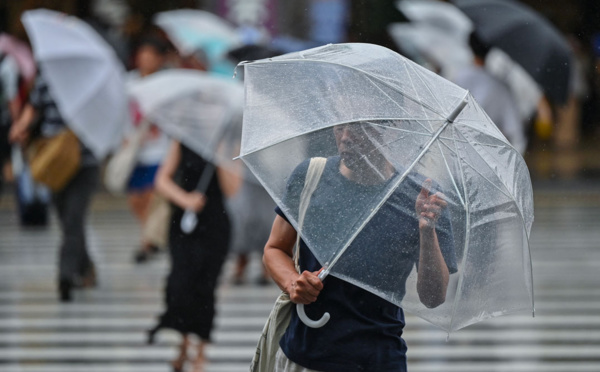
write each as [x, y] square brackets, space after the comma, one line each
[84, 75]
[395, 125]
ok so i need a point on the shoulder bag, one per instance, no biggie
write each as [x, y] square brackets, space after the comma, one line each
[279, 319]
[120, 166]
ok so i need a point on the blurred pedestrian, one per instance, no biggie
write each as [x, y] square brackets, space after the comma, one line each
[9, 105]
[145, 204]
[198, 60]
[493, 95]
[197, 257]
[251, 207]
[251, 217]
[364, 331]
[40, 114]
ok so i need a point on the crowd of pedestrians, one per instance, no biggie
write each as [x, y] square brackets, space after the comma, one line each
[234, 217]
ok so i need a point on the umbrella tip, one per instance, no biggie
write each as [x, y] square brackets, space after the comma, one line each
[242, 63]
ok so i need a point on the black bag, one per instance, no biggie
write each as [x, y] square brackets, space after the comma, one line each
[33, 199]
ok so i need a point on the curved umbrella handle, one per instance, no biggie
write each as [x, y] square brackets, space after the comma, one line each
[188, 221]
[309, 322]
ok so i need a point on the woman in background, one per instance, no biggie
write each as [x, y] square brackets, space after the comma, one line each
[197, 257]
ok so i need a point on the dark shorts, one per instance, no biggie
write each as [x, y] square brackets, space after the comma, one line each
[142, 178]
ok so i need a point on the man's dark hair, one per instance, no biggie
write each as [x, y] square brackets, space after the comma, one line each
[479, 48]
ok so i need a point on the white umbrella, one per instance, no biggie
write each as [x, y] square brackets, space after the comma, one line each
[84, 76]
[201, 111]
[422, 41]
[191, 30]
[444, 16]
[440, 32]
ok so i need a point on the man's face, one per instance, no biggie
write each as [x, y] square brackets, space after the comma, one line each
[353, 143]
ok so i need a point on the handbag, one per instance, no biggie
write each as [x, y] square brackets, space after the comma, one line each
[54, 161]
[121, 164]
[156, 229]
[279, 319]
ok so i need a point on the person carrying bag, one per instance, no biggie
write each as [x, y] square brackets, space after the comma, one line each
[277, 323]
[59, 160]
[120, 166]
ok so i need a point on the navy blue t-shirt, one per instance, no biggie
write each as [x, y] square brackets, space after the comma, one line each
[365, 331]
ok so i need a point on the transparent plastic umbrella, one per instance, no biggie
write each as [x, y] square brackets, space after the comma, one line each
[192, 29]
[84, 75]
[409, 125]
[201, 111]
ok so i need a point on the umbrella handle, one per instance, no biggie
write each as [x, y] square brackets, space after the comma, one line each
[188, 221]
[309, 322]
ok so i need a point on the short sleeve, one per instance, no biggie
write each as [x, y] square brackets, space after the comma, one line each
[290, 203]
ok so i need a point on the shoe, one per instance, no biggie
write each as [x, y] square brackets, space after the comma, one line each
[145, 253]
[65, 286]
[154, 249]
[263, 281]
[150, 335]
[141, 256]
[88, 279]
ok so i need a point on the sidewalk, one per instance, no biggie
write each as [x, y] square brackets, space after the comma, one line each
[549, 164]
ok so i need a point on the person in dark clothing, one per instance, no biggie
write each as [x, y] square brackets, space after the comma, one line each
[364, 332]
[197, 257]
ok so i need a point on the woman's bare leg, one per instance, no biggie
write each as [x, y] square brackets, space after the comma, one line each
[198, 363]
[182, 356]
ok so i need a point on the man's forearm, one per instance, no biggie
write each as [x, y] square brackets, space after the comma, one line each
[433, 275]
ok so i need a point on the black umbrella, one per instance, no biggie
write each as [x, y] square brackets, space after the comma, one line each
[528, 38]
[252, 52]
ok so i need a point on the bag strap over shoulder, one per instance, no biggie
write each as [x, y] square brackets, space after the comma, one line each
[313, 175]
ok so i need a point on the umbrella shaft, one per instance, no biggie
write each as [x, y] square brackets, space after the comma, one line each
[205, 178]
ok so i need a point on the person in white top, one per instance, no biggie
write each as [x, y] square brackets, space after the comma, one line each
[150, 57]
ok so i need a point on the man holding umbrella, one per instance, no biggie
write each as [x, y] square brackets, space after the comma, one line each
[364, 332]
[408, 187]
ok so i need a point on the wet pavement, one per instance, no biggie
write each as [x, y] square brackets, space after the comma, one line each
[103, 329]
